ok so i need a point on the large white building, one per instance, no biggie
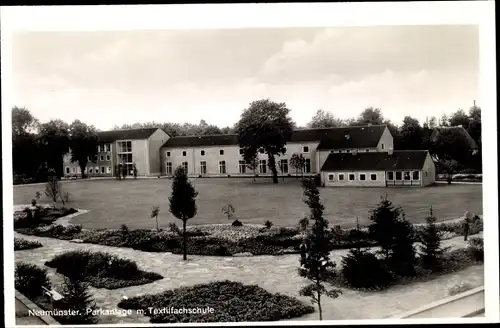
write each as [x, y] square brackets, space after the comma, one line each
[348, 156]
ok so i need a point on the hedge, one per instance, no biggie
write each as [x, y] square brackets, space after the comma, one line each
[23, 244]
[101, 270]
[230, 301]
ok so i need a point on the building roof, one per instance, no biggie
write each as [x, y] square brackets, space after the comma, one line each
[132, 134]
[376, 161]
[329, 138]
[455, 129]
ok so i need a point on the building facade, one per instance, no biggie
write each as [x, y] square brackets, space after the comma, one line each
[139, 148]
[220, 156]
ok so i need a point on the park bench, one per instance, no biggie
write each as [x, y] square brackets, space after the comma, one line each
[52, 295]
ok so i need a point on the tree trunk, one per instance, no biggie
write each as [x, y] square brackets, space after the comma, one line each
[272, 166]
[157, 224]
[184, 237]
[319, 306]
[82, 169]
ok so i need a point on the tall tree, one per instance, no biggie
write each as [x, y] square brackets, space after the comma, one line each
[83, 143]
[77, 298]
[315, 263]
[371, 116]
[412, 133]
[55, 143]
[323, 119]
[25, 151]
[265, 124]
[474, 127]
[23, 122]
[459, 118]
[183, 202]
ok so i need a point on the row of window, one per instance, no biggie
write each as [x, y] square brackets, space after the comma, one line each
[104, 147]
[391, 176]
[352, 177]
[124, 146]
[403, 175]
[90, 170]
[305, 149]
[242, 167]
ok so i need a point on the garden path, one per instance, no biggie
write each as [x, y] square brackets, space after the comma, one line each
[273, 273]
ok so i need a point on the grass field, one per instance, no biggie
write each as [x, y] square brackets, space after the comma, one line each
[112, 203]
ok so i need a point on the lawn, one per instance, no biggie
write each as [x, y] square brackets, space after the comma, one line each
[112, 203]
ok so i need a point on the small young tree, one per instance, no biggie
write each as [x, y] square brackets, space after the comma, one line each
[154, 215]
[382, 230]
[229, 211]
[53, 188]
[298, 162]
[78, 298]
[403, 258]
[183, 201]
[431, 250]
[135, 171]
[315, 263]
[252, 163]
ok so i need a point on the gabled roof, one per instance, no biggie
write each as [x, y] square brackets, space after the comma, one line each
[199, 141]
[455, 129]
[132, 134]
[376, 161]
[329, 138]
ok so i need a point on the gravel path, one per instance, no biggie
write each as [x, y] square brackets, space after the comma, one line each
[274, 273]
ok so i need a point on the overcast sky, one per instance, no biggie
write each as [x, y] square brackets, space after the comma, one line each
[108, 78]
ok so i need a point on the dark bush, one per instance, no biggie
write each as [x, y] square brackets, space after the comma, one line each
[124, 229]
[268, 224]
[476, 249]
[101, 270]
[362, 269]
[174, 228]
[230, 301]
[30, 278]
[23, 244]
[237, 223]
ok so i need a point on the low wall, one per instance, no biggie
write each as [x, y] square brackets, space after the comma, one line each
[24, 305]
[466, 304]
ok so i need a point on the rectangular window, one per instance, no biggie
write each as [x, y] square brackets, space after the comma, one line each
[102, 157]
[125, 158]
[222, 167]
[284, 166]
[124, 146]
[390, 175]
[168, 168]
[202, 153]
[168, 154]
[91, 170]
[242, 167]
[373, 176]
[352, 177]
[382, 146]
[399, 175]
[67, 170]
[305, 149]
[95, 158]
[348, 151]
[108, 157]
[184, 153]
[203, 167]
[341, 176]
[221, 152]
[426, 174]
[263, 166]
[283, 150]
[367, 150]
[107, 147]
[340, 150]
[103, 169]
[261, 150]
[108, 170]
[330, 177]
[407, 175]
[185, 167]
[307, 166]
[242, 151]
[362, 176]
[416, 175]
[96, 170]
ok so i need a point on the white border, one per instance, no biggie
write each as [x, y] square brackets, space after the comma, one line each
[98, 18]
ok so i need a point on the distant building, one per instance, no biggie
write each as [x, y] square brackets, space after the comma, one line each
[347, 156]
[123, 147]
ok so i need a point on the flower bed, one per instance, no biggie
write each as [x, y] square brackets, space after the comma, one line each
[101, 270]
[230, 301]
[34, 216]
[23, 244]
[452, 261]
